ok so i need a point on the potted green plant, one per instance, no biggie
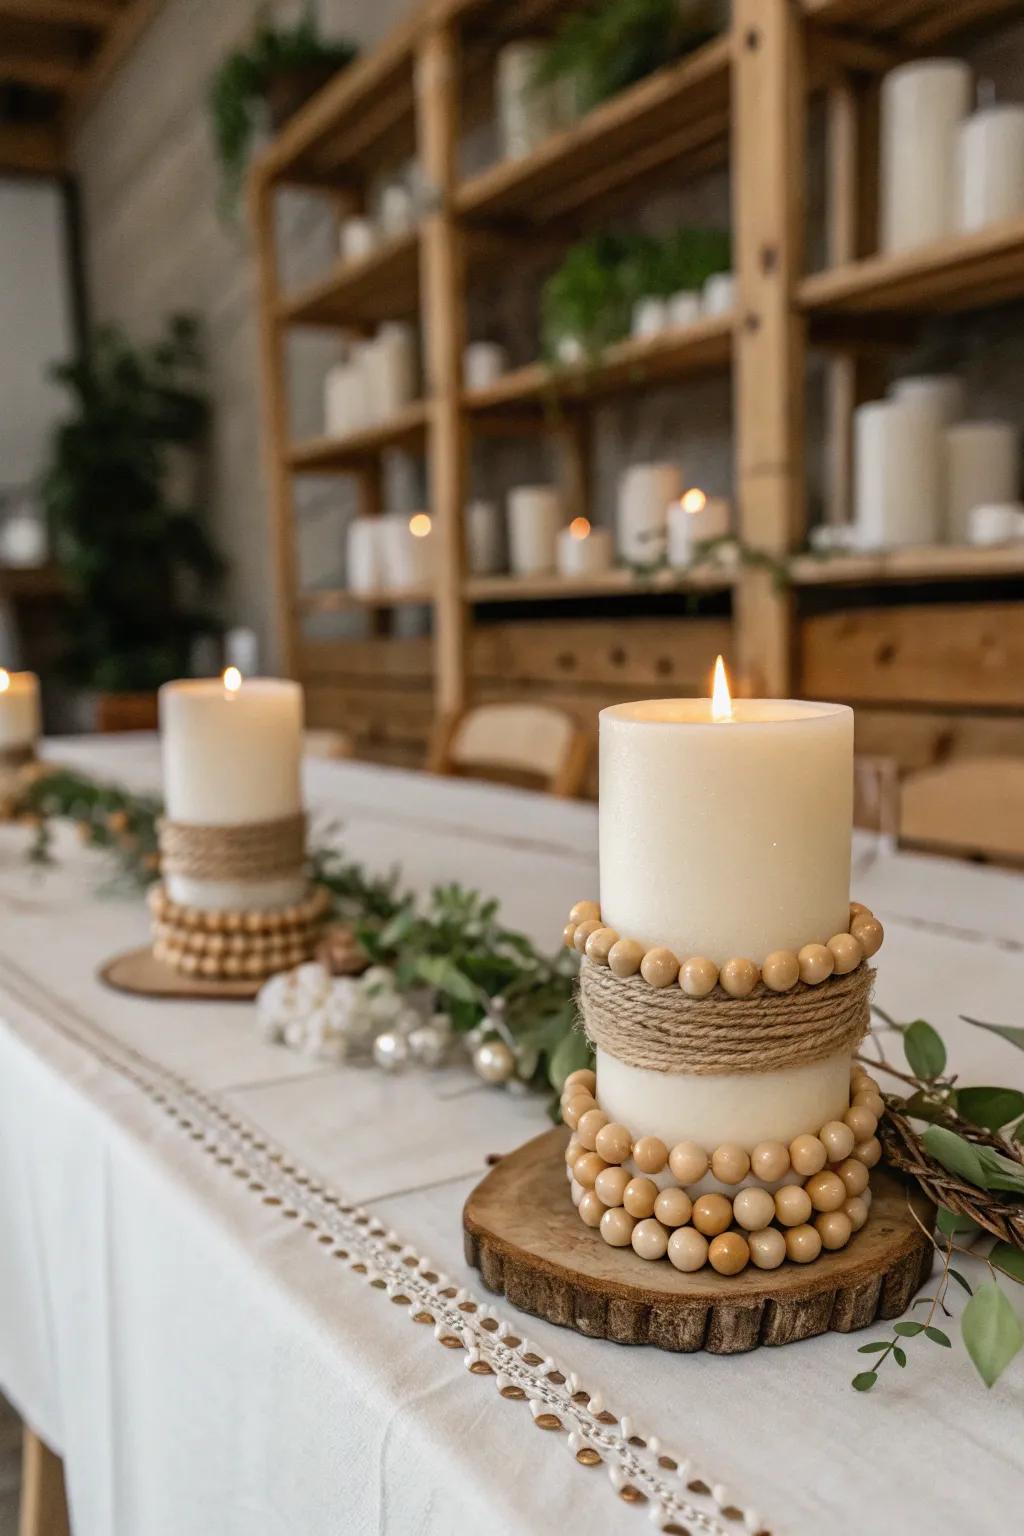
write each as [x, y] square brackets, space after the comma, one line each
[137, 566]
[276, 73]
[608, 45]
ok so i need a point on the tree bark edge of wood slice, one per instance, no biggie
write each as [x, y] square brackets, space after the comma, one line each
[528, 1243]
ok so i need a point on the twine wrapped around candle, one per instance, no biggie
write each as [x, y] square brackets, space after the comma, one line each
[663, 1030]
[251, 850]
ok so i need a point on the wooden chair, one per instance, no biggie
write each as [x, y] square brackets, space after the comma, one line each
[533, 745]
[336, 745]
[973, 807]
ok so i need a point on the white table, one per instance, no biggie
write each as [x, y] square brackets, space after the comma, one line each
[207, 1362]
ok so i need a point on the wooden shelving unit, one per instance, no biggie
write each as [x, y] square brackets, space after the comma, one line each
[899, 634]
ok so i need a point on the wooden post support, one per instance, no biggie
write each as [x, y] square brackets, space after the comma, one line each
[437, 88]
[284, 559]
[842, 219]
[768, 154]
[44, 1509]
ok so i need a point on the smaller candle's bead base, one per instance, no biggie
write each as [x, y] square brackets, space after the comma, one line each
[796, 1201]
[228, 946]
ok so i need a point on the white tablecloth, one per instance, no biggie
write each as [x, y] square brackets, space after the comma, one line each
[183, 1308]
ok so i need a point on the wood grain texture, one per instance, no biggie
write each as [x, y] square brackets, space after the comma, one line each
[141, 974]
[525, 1238]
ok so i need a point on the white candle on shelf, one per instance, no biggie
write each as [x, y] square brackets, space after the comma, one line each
[483, 362]
[408, 544]
[923, 104]
[718, 294]
[345, 400]
[650, 317]
[534, 516]
[981, 464]
[990, 167]
[897, 475]
[357, 238]
[397, 210]
[645, 492]
[684, 308]
[485, 539]
[583, 550]
[363, 555]
[231, 755]
[692, 520]
[995, 523]
[940, 393]
[19, 722]
[389, 366]
[725, 832]
[528, 113]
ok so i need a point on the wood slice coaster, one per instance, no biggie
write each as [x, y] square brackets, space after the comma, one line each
[523, 1234]
[142, 974]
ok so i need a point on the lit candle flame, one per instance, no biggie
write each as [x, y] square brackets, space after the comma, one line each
[579, 527]
[232, 680]
[419, 525]
[721, 698]
[694, 500]
[5, 680]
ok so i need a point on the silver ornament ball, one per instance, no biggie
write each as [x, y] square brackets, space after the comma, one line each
[429, 1045]
[494, 1061]
[391, 1051]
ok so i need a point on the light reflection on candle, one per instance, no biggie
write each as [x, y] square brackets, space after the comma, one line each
[5, 680]
[579, 527]
[693, 500]
[419, 525]
[721, 698]
[232, 680]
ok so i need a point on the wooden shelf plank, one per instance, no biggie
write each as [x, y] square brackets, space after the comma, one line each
[341, 600]
[914, 24]
[678, 111]
[614, 583]
[31, 582]
[944, 562]
[316, 455]
[381, 286]
[961, 273]
[704, 347]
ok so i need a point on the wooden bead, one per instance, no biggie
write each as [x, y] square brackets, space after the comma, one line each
[572, 1109]
[857, 908]
[614, 1143]
[856, 1211]
[712, 1214]
[584, 912]
[624, 957]
[698, 976]
[869, 934]
[589, 1125]
[753, 1209]
[639, 1196]
[688, 1162]
[827, 1191]
[569, 935]
[738, 977]
[868, 1152]
[583, 1077]
[617, 1227]
[780, 970]
[659, 968]
[687, 1249]
[728, 1253]
[586, 1169]
[673, 1207]
[599, 943]
[582, 934]
[853, 1174]
[846, 952]
[834, 1228]
[869, 1099]
[591, 1209]
[767, 1248]
[572, 1150]
[807, 1155]
[803, 1244]
[769, 1161]
[838, 1139]
[817, 962]
[730, 1163]
[650, 1154]
[862, 1122]
[576, 1193]
[611, 1183]
[792, 1203]
[650, 1239]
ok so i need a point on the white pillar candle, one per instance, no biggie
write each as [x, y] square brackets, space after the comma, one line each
[923, 105]
[527, 113]
[397, 210]
[718, 295]
[23, 539]
[408, 545]
[940, 393]
[650, 317]
[357, 238]
[19, 722]
[389, 370]
[995, 523]
[981, 464]
[645, 491]
[684, 308]
[485, 538]
[364, 568]
[692, 520]
[583, 550]
[231, 756]
[482, 363]
[534, 516]
[990, 167]
[345, 400]
[897, 475]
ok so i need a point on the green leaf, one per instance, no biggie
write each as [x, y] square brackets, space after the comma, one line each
[899, 1356]
[908, 1330]
[1009, 1259]
[990, 1107]
[1011, 1032]
[864, 1381]
[955, 1154]
[440, 972]
[923, 1106]
[952, 1224]
[1003, 1173]
[924, 1049]
[937, 1337]
[571, 1052]
[958, 1277]
[992, 1332]
[872, 1349]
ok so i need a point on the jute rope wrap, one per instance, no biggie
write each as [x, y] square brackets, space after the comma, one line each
[17, 757]
[253, 850]
[663, 1030]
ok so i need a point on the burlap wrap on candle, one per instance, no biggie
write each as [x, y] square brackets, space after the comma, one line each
[663, 1030]
[19, 756]
[253, 850]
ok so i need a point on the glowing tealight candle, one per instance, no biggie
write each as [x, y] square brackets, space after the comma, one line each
[582, 550]
[694, 519]
[19, 720]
